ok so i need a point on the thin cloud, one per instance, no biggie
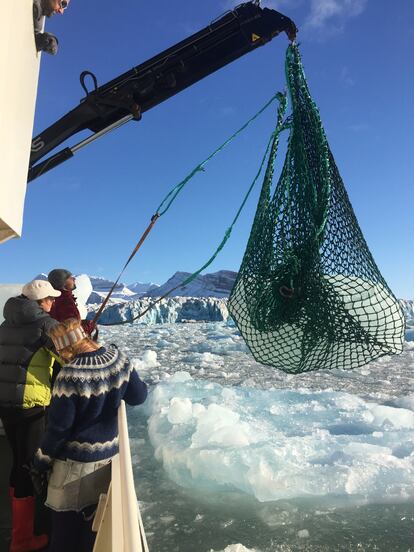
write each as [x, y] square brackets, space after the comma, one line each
[331, 16]
[279, 5]
[227, 111]
[359, 127]
[346, 77]
[274, 4]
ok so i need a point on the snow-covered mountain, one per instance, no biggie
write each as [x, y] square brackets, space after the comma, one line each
[101, 288]
[140, 289]
[41, 276]
[218, 284]
[103, 285]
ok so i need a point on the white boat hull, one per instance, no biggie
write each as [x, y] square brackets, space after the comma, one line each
[19, 62]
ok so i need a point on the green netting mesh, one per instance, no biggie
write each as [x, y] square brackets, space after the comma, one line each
[309, 294]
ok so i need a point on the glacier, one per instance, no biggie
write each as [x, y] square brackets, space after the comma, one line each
[408, 310]
[169, 310]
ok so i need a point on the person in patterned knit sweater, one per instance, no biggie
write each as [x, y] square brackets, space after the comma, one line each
[82, 431]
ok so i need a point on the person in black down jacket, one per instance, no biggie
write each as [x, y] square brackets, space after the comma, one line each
[25, 375]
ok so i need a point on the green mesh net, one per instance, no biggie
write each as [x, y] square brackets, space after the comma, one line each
[309, 295]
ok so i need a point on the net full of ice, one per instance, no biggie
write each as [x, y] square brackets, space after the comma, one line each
[281, 444]
[371, 306]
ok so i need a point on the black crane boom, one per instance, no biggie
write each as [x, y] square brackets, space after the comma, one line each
[128, 96]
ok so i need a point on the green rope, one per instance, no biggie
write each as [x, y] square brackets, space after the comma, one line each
[272, 143]
[172, 194]
[272, 146]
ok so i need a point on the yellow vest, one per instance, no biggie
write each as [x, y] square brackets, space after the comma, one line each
[37, 390]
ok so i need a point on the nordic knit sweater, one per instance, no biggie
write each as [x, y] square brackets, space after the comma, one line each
[82, 420]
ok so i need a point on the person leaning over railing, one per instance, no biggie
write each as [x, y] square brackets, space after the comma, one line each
[46, 42]
[82, 432]
[26, 366]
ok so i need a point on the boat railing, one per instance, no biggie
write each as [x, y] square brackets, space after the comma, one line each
[118, 520]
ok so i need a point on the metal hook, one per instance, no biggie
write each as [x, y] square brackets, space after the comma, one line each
[82, 77]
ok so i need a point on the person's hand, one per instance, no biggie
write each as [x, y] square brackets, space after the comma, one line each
[52, 44]
[46, 42]
[89, 326]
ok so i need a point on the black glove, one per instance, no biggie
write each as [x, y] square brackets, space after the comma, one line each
[40, 481]
[46, 42]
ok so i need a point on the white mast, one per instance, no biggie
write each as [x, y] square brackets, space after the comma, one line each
[19, 70]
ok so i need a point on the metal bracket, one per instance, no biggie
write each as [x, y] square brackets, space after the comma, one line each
[114, 99]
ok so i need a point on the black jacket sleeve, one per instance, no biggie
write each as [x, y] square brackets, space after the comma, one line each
[48, 324]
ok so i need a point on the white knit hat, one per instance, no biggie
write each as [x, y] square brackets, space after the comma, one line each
[39, 289]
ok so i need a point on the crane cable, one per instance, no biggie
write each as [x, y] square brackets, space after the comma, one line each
[174, 192]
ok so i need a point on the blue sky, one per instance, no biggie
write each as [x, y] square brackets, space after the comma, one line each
[87, 214]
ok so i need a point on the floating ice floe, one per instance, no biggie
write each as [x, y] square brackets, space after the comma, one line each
[282, 444]
[238, 548]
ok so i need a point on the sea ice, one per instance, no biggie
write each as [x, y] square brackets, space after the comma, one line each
[238, 548]
[281, 444]
[147, 360]
[312, 427]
